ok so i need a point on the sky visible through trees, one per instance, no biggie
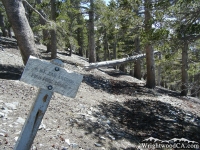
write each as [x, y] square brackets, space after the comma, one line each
[107, 1]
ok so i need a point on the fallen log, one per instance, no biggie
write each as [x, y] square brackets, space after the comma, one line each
[116, 62]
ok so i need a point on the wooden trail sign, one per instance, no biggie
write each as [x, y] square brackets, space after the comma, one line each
[49, 77]
[52, 77]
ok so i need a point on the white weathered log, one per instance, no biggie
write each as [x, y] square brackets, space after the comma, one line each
[116, 62]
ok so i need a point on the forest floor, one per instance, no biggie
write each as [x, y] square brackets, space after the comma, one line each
[111, 110]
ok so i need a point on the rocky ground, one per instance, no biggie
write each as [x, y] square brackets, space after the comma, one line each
[111, 110]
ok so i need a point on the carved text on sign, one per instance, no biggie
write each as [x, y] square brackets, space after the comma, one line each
[46, 75]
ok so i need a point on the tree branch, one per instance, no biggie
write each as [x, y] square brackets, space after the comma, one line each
[191, 37]
[36, 11]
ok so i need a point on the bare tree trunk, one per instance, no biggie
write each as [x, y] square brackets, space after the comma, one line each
[184, 86]
[137, 64]
[80, 31]
[115, 49]
[149, 49]
[70, 43]
[46, 38]
[191, 80]
[80, 41]
[24, 35]
[193, 92]
[53, 31]
[45, 32]
[98, 50]
[92, 52]
[159, 72]
[2, 25]
[132, 73]
[105, 45]
[150, 67]
[122, 67]
[28, 12]
[198, 92]
[9, 31]
[87, 53]
[53, 44]
[196, 85]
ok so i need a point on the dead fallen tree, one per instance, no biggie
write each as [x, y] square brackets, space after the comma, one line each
[116, 62]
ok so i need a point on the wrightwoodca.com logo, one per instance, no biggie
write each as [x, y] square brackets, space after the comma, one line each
[179, 143]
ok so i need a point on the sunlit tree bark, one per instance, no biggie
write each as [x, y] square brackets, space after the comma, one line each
[149, 49]
[16, 15]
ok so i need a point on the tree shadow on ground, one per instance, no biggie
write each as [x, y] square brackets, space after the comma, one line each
[10, 72]
[136, 120]
[124, 87]
[114, 72]
[166, 91]
[46, 57]
[64, 53]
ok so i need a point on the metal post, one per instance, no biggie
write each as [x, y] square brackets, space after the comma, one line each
[33, 121]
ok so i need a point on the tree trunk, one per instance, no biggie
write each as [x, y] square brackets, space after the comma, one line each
[122, 67]
[28, 12]
[115, 49]
[80, 41]
[87, 53]
[70, 49]
[105, 46]
[24, 35]
[150, 67]
[116, 62]
[46, 38]
[162, 83]
[53, 31]
[92, 52]
[53, 44]
[9, 31]
[2, 25]
[198, 93]
[132, 73]
[184, 86]
[80, 32]
[137, 64]
[195, 91]
[45, 32]
[70, 43]
[193, 84]
[149, 49]
[159, 72]
[98, 51]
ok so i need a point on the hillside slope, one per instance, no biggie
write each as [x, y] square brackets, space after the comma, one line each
[111, 110]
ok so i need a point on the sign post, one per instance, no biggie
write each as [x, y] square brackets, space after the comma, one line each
[49, 77]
